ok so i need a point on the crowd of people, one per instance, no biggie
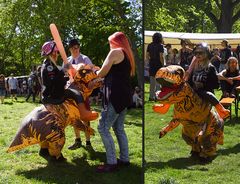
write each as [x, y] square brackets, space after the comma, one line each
[225, 61]
[25, 86]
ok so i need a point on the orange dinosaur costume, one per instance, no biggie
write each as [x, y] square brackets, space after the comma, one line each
[45, 125]
[202, 127]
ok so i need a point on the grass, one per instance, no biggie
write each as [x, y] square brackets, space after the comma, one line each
[26, 166]
[167, 159]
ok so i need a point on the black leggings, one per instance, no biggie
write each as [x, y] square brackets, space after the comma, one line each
[73, 94]
[208, 97]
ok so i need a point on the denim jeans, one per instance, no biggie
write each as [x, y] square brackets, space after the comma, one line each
[109, 118]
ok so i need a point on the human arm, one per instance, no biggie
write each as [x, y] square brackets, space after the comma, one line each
[221, 76]
[115, 56]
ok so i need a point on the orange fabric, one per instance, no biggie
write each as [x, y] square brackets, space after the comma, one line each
[202, 128]
[45, 125]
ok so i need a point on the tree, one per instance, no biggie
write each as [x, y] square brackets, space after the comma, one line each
[194, 16]
[26, 28]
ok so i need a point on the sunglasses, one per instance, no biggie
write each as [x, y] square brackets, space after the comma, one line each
[199, 53]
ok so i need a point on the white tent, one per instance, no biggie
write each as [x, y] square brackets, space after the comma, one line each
[213, 39]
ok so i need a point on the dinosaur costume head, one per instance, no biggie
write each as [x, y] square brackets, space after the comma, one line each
[171, 80]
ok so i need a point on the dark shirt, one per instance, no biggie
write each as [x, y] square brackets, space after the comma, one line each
[53, 82]
[2, 84]
[154, 51]
[185, 59]
[208, 77]
[117, 88]
[225, 54]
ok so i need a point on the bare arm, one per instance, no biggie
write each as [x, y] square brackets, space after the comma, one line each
[161, 59]
[115, 56]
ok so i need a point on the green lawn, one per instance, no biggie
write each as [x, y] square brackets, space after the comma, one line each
[26, 166]
[167, 159]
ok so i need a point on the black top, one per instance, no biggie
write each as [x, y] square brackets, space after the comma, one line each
[2, 84]
[185, 59]
[225, 54]
[208, 77]
[154, 51]
[117, 87]
[53, 83]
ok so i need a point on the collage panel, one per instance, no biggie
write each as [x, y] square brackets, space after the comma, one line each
[191, 91]
[71, 88]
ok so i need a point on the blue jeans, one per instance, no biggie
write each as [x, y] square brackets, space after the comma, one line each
[109, 118]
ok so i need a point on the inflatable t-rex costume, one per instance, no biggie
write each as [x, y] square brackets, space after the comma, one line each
[202, 127]
[45, 125]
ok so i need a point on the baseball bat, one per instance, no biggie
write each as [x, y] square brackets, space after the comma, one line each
[58, 41]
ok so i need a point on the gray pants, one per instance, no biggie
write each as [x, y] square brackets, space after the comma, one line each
[154, 86]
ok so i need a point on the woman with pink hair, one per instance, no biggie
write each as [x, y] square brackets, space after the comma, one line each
[117, 69]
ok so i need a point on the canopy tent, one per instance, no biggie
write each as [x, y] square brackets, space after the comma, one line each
[213, 39]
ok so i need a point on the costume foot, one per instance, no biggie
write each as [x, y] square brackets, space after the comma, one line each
[205, 160]
[44, 153]
[223, 113]
[161, 108]
[61, 159]
[89, 116]
[77, 144]
[194, 154]
[106, 168]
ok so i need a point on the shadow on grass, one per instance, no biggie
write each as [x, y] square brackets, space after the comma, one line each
[234, 150]
[177, 163]
[8, 103]
[82, 170]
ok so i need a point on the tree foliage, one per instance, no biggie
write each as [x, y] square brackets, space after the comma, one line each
[192, 15]
[25, 27]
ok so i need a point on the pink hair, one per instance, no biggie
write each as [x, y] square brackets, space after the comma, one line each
[119, 40]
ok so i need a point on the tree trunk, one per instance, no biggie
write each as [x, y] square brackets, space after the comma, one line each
[225, 22]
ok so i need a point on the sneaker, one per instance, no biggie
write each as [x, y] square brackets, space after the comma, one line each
[76, 145]
[88, 143]
[122, 163]
[61, 159]
[106, 168]
[194, 154]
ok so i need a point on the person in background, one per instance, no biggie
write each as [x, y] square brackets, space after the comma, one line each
[184, 55]
[13, 86]
[225, 53]
[226, 77]
[3, 88]
[117, 69]
[216, 60]
[137, 98]
[32, 80]
[78, 58]
[154, 54]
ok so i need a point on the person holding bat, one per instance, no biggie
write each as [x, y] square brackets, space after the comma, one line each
[53, 82]
[117, 69]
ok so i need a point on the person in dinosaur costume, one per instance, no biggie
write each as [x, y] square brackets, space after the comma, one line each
[45, 125]
[202, 126]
